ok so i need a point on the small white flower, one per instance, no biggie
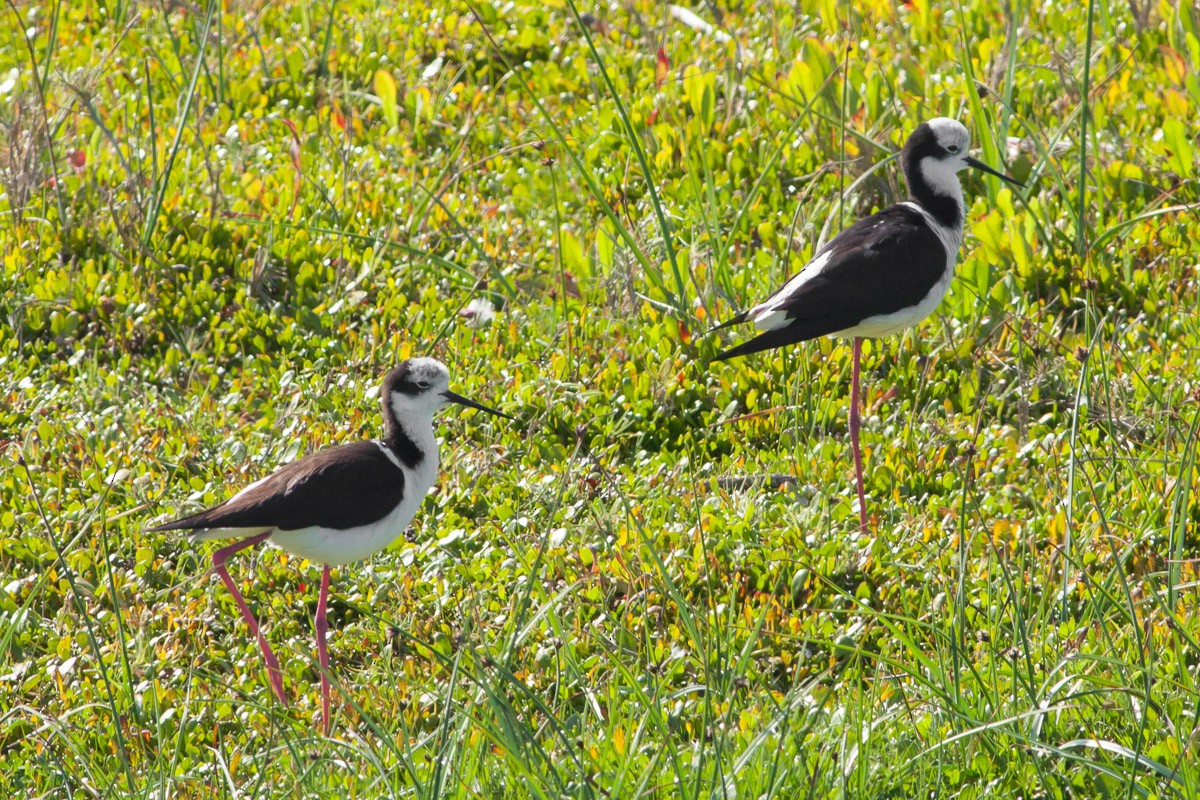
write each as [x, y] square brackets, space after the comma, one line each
[479, 312]
[9, 82]
[433, 69]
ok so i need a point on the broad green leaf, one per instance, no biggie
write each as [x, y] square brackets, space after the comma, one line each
[1181, 157]
[385, 90]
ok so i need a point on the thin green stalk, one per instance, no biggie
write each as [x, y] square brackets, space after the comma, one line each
[1177, 526]
[1081, 244]
[679, 301]
[562, 270]
[1072, 465]
[156, 200]
[93, 639]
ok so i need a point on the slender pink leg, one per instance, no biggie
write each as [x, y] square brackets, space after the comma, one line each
[322, 625]
[218, 560]
[855, 424]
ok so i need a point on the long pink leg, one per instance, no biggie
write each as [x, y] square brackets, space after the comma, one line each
[218, 560]
[322, 625]
[855, 424]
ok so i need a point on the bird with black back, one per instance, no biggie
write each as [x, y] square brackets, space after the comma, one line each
[338, 505]
[883, 274]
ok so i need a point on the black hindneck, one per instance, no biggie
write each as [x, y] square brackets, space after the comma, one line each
[944, 209]
[400, 442]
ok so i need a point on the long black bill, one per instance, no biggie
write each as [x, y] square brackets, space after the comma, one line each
[454, 397]
[977, 164]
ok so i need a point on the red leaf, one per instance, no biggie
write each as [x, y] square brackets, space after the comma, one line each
[294, 150]
[294, 147]
[662, 67]
[78, 159]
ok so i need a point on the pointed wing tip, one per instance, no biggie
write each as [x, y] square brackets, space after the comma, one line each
[725, 355]
[189, 524]
[176, 525]
[769, 340]
[729, 323]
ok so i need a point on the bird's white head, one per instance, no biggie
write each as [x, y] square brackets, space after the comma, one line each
[953, 138]
[418, 388]
[934, 155]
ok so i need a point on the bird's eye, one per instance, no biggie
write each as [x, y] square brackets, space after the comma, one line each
[422, 384]
[953, 148]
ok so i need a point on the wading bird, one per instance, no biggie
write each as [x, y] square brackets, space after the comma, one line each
[338, 505]
[884, 273]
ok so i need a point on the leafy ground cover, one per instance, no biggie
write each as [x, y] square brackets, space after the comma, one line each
[223, 223]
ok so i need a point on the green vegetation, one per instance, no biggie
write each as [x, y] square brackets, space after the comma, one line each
[223, 223]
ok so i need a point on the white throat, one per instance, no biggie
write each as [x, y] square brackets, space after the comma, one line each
[418, 428]
[941, 179]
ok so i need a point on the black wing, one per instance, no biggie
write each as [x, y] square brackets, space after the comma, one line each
[341, 487]
[879, 265]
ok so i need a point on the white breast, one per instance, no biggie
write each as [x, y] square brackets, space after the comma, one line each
[329, 546]
[887, 324]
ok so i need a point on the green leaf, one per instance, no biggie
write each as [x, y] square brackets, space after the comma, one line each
[606, 245]
[699, 88]
[385, 90]
[1181, 157]
[573, 258]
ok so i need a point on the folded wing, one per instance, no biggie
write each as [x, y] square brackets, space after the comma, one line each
[879, 265]
[311, 492]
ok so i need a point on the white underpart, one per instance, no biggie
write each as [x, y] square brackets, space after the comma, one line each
[331, 546]
[887, 324]
[771, 313]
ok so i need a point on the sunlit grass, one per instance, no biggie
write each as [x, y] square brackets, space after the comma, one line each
[222, 224]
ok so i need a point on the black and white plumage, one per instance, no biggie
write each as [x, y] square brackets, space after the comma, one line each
[342, 504]
[884, 273]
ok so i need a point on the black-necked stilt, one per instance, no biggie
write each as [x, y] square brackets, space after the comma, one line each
[338, 505]
[884, 273]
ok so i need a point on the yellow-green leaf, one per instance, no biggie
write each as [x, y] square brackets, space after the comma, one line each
[1181, 156]
[385, 90]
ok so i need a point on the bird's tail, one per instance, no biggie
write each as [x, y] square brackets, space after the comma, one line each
[193, 524]
[764, 341]
[197, 528]
[176, 525]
